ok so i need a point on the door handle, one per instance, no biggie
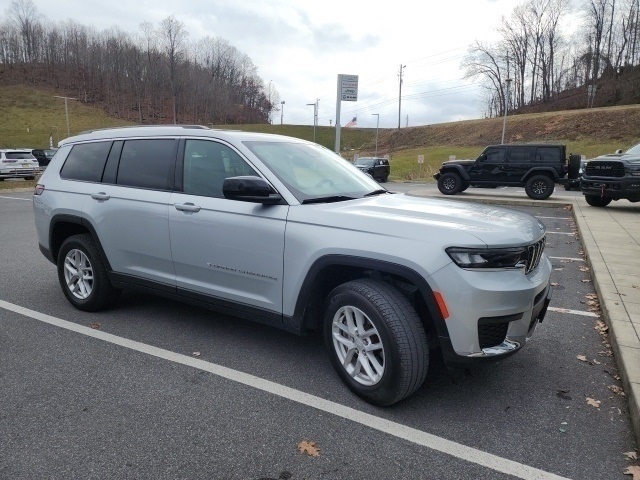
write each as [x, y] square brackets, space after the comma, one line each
[100, 196]
[187, 207]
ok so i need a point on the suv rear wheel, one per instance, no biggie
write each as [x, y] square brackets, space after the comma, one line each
[375, 341]
[449, 183]
[82, 274]
[539, 187]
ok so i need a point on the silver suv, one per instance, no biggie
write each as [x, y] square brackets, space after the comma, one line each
[285, 232]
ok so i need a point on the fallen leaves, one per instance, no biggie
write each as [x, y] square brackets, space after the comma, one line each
[196, 354]
[583, 358]
[95, 326]
[593, 402]
[585, 280]
[633, 455]
[584, 269]
[310, 448]
[617, 390]
[633, 470]
[554, 284]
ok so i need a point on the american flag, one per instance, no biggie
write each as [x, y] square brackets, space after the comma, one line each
[353, 122]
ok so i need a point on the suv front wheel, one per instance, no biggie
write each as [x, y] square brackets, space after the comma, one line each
[597, 201]
[539, 187]
[375, 341]
[82, 274]
[449, 183]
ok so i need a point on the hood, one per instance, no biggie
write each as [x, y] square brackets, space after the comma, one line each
[459, 162]
[456, 223]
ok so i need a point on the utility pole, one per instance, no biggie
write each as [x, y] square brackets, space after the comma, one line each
[66, 111]
[377, 124]
[400, 93]
[506, 108]
[282, 112]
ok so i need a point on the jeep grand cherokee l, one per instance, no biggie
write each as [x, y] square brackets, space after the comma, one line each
[285, 232]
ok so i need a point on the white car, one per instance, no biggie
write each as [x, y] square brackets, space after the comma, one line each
[18, 163]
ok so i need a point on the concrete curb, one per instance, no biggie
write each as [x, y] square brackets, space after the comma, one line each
[611, 240]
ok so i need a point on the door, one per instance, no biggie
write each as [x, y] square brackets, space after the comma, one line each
[225, 249]
[489, 167]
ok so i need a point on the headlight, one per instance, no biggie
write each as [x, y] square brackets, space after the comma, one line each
[489, 258]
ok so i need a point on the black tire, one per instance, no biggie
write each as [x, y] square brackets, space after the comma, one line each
[392, 341]
[384, 179]
[449, 183]
[539, 187]
[597, 201]
[92, 291]
[465, 185]
[567, 187]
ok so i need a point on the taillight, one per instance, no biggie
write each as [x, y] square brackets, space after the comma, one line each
[39, 189]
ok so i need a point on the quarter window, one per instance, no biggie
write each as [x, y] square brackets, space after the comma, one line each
[86, 162]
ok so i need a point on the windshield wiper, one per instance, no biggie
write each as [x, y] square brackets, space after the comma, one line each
[377, 192]
[329, 199]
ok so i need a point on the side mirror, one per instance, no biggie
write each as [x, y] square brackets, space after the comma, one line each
[619, 150]
[249, 189]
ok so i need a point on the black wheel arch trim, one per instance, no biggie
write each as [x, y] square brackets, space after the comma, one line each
[541, 171]
[459, 169]
[54, 247]
[308, 285]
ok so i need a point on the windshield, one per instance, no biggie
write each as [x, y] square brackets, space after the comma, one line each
[634, 150]
[49, 153]
[368, 162]
[311, 171]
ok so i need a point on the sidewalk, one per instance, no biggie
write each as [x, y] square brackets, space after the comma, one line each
[611, 240]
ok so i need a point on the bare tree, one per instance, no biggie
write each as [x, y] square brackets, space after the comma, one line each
[173, 39]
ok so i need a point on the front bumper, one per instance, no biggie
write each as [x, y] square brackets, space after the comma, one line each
[492, 314]
[616, 189]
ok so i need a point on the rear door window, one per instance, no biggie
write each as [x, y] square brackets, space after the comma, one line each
[148, 163]
[521, 154]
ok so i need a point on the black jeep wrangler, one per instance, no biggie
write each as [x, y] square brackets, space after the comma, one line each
[536, 167]
[612, 177]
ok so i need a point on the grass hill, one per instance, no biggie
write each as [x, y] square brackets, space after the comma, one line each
[30, 116]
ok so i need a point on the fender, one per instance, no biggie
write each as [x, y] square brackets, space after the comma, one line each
[459, 169]
[540, 171]
[74, 225]
[363, 263]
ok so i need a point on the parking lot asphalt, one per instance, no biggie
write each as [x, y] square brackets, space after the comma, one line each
[611, 240]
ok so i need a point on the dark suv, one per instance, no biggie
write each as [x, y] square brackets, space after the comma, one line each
[377, 167]
[44, 156]
[536, 167]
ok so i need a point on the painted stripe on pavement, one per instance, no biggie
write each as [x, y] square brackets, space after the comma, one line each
[398, 430]
[573, 312]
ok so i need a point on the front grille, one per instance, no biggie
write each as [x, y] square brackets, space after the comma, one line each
[534, 254]
[492, 335]
[608, 168]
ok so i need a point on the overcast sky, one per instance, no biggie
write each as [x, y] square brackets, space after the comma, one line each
[301, 46]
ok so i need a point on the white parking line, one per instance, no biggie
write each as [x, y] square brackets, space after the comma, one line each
[556, 218]
[409, 434]
[17, 198]
[573, 312]
[560, 233]
[568, 258]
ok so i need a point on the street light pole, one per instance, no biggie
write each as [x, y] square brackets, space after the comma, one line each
[315, 117]
[281, 111]
[66, 111]
[506, 108]
[377, 123]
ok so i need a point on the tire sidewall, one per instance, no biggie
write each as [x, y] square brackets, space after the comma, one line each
[385, 387]
[539, 178]
[80, 242]
[446, 176]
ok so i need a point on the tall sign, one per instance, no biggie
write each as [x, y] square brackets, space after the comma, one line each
[347, 91]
